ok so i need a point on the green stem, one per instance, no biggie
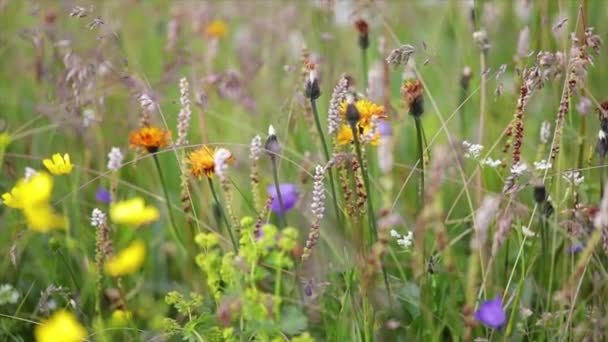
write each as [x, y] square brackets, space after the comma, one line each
[420, 160]
[174, 231]
[313, 104]
[364, 65]
[275, 175]
[370, 206]
[223, 215]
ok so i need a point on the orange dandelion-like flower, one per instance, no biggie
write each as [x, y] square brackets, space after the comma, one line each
[202, 162]
[149, 138]
[411, 93]
[216, 29]
[366, 109]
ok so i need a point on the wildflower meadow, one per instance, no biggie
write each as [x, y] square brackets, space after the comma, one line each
[311, 170]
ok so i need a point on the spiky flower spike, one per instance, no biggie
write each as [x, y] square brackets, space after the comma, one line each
[338, 96]
[185, 113]
[255, 151]
[317, 208]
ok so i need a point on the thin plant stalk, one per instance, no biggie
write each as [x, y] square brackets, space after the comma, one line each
[326, 152]
[168, 202]
[275, 176]
[222, 214]
[421, 160]
[370, 206]
[364, 66]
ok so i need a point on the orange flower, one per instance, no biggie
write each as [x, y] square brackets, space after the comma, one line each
[149, 138]
[367, 110]
[202, 161]
[216, 29]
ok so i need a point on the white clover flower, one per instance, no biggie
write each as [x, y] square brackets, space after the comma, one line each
[573, 177]
[519, 168]
[98, 217]
[542, 165]
[491, 162]
[473, 150]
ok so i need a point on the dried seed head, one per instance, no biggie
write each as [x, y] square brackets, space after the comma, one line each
[481, 39]
[400, 55]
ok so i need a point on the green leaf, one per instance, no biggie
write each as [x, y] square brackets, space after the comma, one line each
[293, 321]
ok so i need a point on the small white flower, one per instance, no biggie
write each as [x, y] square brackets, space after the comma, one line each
[146, 102]
[519, 168]
[601, 135]
[573, 177]
[8, 294]
[255, 149]
[473, 150]
[545, 132]
[406, 240]
[114, 159]
[98, 217]
[271, 131]
[29, 173]
[491, 162]
[88, 117]
[220, 159]
[525, 312]
[542, 165]
[395, 234]
[527, 232]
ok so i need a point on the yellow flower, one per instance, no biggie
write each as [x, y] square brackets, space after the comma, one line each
[367, 110]
[344, 136]
[121, 317]
[42, 218]
[59, 165]
[216, 29]
[133, 211]
[33, 197]
[61, 327]
[127, 261]
[149, 138]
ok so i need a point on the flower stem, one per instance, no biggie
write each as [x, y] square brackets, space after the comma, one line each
[174, 232]
[420, 160]
[370, 206]
[364, 67]
[223, 215]
[313, 104]
[275, 175]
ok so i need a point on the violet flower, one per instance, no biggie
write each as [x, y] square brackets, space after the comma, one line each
[103, 196]
[491, 313]
[575, 248]
[289, 194]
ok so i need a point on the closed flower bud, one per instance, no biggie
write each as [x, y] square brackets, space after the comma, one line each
[272, 143]
[363, 28]
[311, 89]
[540, 193]
[352, 114]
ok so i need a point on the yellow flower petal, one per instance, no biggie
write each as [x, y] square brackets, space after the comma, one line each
[127, 261]
[43, 219]
[59, 165]
[62, 326]
[31, 193]
[133, 211]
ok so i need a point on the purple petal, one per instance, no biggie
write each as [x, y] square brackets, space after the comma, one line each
[384, 128]
[103, 196]
[289, 194]
[491, 313]
[575, 248]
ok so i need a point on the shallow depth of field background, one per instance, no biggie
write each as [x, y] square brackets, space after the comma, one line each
[129, 48]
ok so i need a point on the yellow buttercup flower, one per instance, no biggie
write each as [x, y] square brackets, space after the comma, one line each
[127, 261]
[59, 165]
[61, 326]
[344, 136]
[216, 29]
[32, 197]
[133, 211]
[43, 219]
